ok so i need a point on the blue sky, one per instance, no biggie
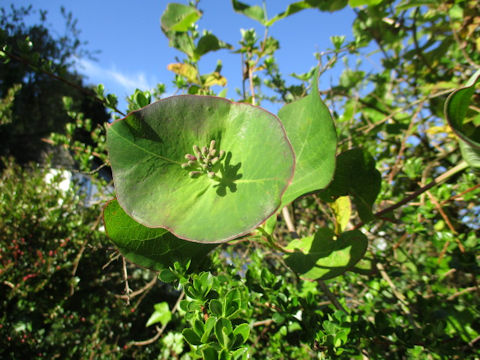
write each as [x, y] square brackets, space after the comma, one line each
[134, 53]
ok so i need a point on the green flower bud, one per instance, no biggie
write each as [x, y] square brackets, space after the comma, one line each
[212, 145]
[185, 165]
[211, 174]
[222, 154]
[197, 151]
[190, 157]
[194, 174]
[215, 160]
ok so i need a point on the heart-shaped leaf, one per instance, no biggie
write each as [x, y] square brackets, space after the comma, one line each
[205, 168]
[156, 249]
[464, 121]
[323, 257]
[310, 128]
[357, 176]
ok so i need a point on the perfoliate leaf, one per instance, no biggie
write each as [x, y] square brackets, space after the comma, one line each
[164, 179]
[311, 131]
[156, 249]
[323, 257]
[179, 17]
[186, 70]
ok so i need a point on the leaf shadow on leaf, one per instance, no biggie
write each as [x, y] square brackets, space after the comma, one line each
[228, 175]
[140, 128]
[327, 257]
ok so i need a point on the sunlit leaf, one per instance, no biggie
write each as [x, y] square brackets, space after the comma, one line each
[161, 314]
[342, 209]
[186, 70]
[356, 3]
[310, 128]
[323, 257]
[179, 17]
[221, 202]
[214, 78]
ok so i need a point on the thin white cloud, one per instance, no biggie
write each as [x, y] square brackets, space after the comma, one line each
[114, 80]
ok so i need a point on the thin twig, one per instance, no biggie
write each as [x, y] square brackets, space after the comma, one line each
[289, 223]
[396, 166]
[330, 296]
[437, 205]
[138, 292]
[454, 197]
[461, 292]
[437, 181]
[125, 278]
[396, 293]
[262, 322]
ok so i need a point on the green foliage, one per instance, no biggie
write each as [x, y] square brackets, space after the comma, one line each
[375, 255]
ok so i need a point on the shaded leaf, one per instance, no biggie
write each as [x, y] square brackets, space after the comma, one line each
[310, 128]
[322, 257]
[191, 337]
[147, 150]
[210, 42]
[253, 12]
[156, 249]
[357, 176]
[463, 120]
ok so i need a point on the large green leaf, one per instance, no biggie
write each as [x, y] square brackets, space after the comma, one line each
[464, 121]
[323, 257]
[310, 128]
[357, 176]
[149, 146]
[156, 249]
[179, 17]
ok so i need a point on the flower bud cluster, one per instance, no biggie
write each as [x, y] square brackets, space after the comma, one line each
[203, 161]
